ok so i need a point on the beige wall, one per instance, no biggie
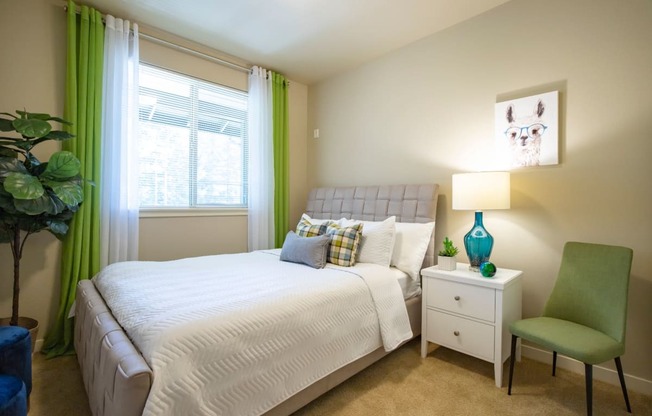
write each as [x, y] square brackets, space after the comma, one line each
[298, 97]
[32, 76]
[426, 111]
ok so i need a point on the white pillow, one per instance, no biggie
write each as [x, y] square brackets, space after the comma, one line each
[410, 247]
[377, 240]
[314, 221]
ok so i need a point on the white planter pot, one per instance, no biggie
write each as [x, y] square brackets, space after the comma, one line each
[447, 263]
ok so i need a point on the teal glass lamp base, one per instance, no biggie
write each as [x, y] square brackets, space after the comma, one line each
[478, 244]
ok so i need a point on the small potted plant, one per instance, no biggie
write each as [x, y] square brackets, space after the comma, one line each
[446, 259]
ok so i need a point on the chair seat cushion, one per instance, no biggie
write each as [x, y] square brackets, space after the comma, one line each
[12, 335]
[568, 338]
[13, 401]
[16, 354]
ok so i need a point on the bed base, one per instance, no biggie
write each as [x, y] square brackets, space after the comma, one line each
[331, 381]
[117, 378]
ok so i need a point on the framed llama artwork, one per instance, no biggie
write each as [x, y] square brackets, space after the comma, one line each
[527, 131]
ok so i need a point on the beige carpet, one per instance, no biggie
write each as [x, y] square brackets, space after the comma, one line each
[445, 383]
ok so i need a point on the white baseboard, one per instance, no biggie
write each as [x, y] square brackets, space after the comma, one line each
[637, 384]
[38, 345]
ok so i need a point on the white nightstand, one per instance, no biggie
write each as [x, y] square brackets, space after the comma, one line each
[469, 313]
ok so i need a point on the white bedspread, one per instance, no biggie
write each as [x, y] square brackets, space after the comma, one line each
[237, 334]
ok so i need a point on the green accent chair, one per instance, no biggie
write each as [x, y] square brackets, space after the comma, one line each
[585, 317]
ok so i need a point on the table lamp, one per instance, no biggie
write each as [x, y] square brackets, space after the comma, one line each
[480, 191]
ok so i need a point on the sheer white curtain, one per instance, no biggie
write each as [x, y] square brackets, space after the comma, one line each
[261, 161]
[119, 178]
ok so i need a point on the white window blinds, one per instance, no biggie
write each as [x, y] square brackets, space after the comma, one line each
[192, 142]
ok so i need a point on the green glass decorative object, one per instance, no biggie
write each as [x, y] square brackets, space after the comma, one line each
[488, 269]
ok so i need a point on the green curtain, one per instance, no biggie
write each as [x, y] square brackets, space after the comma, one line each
[281, 155]
[83, 108]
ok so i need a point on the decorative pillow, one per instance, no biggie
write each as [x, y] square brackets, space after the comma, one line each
[311, 251]
[314, 221]
[344, 244]
[410, 248]
[308, 228]
[377, 240]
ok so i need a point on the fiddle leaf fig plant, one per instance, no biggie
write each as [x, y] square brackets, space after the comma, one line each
[34, 195]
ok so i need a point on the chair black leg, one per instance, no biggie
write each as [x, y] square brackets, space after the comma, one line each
[554, 362]
[588, 373]
[512, 358]
[621, 376]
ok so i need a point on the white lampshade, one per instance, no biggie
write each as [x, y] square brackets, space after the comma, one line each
[481, 191]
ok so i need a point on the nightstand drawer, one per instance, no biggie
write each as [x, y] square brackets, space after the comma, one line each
[474, 301]
[469, 337]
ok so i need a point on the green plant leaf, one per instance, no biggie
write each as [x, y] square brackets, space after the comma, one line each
[58, 135]
[32, 127]
[32, 223]
[35, 116]
[67, 214]
[34, 165]
[7, 152]
[28, 115]
[25, 145]
[33, 206]
[5, 125]
[23, 186]
[11, 165]
[62, 165]
[6, 203]
[39, 116]
[70, 192]
[58, 227]
[56, 205]
[449, 249]
[60, 120]
[5, 234]
[46, 203]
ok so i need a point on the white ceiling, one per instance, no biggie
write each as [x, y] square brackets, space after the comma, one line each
[306, 40]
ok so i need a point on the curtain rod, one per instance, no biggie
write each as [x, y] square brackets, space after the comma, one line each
[182, 48]
[194, 52]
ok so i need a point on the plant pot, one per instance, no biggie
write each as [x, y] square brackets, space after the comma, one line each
[446, 263]
[27, 323]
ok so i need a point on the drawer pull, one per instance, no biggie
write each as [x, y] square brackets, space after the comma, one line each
[456, 333]
[457, 298]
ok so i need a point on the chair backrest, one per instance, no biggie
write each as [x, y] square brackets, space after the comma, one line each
[592, 287]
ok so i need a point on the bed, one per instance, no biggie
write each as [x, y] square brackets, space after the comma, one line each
[119, 379]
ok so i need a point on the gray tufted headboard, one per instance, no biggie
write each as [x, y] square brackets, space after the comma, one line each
[409, 203]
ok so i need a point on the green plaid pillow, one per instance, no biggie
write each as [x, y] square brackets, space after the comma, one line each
[307, 229]
[344, 244]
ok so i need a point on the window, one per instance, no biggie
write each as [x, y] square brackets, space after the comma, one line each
[192, 142]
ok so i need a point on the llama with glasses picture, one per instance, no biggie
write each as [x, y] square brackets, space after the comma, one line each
[524, 135]
[526, 130]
